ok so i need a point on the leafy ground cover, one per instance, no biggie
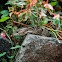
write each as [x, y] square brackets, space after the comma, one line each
[36, 13]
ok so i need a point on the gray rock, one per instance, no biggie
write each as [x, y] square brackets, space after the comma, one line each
[5, 46]
[37, 48]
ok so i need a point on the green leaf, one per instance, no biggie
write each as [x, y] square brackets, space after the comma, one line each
[2, 54]
[4, 60]
[57, 12]
[11, 9]
[4, 15]
[14, 28]
[4, 11]
[54, 0]
[7, 3]
[41, 22]
[53, 3]
[18, 38]
[10, 57]
[45, 22]
[9, 26]
[56, 21]
[17, 46]
[61, 14]
[4, 19]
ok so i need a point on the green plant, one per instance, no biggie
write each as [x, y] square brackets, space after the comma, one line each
[38, 13]
[4, 19]
[4, 60]
[2, 54]
[17, 46]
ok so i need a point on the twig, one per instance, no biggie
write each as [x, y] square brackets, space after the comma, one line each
[59, 36]
[56, 36]
[51, 29]
[18, 22]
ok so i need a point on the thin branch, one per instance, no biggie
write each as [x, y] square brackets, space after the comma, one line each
[18, 22]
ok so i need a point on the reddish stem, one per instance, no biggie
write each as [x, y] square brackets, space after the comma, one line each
[18, 22]
[24, 10]
[49, 23]
[59, 36]
[52, 13]
[14, 8]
